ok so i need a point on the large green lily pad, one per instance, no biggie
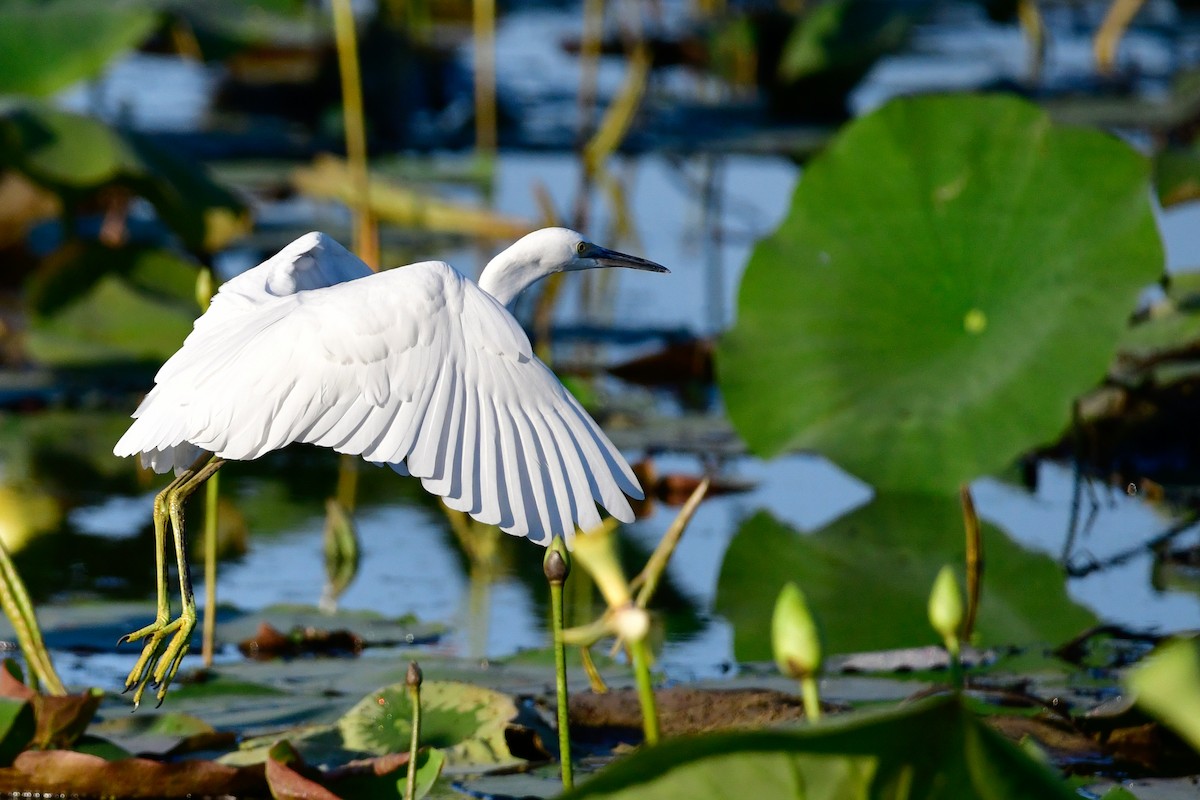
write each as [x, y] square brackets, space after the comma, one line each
[113, 322]
[867, 578]
[47, 46]
[465, 721]
[954, 270]
[932, 749]
[72, 155]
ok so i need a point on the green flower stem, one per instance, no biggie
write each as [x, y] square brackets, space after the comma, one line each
[811, 696]
[366, 239]
[414, 694]
[954, 648]
[560, 676]
[208, 638]
[16, 604]
[645, 689]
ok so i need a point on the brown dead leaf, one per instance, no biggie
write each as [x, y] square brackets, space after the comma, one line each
[269, 642]
[683, 710]
[60, 720]
[288, 784]
[62, 772]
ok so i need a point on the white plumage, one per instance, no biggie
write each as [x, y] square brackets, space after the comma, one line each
[418, 368]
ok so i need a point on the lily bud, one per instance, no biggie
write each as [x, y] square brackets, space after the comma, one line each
[794, 635]
[204, 288]
[557, 563]
[946, 608]
[413, 676]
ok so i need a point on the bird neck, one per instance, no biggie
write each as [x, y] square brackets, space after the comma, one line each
[509, 274]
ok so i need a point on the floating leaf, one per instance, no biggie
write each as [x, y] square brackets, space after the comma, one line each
[66, 773]
[47, 46]
[466, 721]
[867, 579]
[933, 749]
[288, 784]
[17, 725]
[843, 34]
[73, 270]
[59, 720]
[72, 153]
[112, 322]
[100, 747]
[61, 150]
[155, 733]
[954, 270]
[383, 777]
[1177, 175]
[1173, 323]
[1167, 684]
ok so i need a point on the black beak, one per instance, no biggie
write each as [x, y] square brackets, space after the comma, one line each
[611, 258]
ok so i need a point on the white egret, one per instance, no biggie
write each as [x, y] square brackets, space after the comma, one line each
[418, 368]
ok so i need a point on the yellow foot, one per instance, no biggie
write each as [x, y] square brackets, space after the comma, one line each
[160, 658]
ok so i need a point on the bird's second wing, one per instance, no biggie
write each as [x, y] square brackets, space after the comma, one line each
[417, 368]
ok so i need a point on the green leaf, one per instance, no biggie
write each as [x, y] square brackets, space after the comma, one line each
[1177, 175]
[867, 577]
[100, 747]
[69, 273]
[954, 270]
[362, 784]
[61, 150]
[17, 725]
[1173, 323]
[1167, 684]
[466, 721]
[1119, 793]
[113, 322]
[931, 749]
[843, 34]
[47, 46]
[71, 153]
[202, 212]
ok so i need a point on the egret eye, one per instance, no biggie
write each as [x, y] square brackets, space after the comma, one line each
[581, 248]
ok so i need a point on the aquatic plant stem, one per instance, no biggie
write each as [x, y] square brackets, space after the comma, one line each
[484, 27]
[14, 599]
[645, 689]
[974, 560]
[413, 679]
[208, 637]
[557, 566]
[810, 694]
[366, 238]
[954, 648]
[560, 675]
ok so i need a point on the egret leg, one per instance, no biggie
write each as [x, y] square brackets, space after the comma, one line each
[182, 628]
[155, 629]
[557, 566]
[160, 657]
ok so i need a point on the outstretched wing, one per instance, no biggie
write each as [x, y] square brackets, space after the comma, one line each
[313, 261]
[417, 368]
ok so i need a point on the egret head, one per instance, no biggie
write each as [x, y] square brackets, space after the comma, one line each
[565, 250]
[547, 251]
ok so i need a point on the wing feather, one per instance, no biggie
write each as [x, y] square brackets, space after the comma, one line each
[532, 469]
[562, 512]
[487, 473]
[417, 368]
[578, 479]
